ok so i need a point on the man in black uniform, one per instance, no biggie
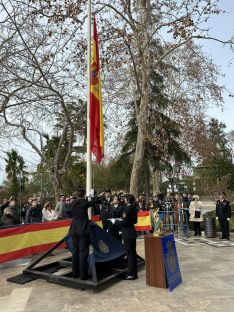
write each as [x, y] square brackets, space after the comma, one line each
[106, 209]
[223, 214]
[80, 232]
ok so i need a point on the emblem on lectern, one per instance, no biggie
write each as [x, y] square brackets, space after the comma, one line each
[103, 247]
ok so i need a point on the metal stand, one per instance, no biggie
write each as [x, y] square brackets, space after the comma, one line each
[60, 272]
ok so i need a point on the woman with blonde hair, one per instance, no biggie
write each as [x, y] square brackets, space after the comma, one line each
[195, 210]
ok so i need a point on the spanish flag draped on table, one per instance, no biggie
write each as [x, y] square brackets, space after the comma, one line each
[96, 114]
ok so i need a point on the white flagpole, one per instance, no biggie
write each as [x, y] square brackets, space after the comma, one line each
[89, 159]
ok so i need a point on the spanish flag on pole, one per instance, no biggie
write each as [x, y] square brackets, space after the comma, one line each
[96, 115]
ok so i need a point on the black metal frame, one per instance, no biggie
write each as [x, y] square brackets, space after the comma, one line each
[46, 271]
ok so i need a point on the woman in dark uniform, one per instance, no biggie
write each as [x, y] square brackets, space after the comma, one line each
[129, 236]
[80, 233]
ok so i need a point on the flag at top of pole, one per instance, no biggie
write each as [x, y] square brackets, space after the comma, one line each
[95, 111]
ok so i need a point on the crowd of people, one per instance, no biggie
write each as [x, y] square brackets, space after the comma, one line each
[172, 210]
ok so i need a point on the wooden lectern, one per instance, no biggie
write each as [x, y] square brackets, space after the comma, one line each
[154, 262]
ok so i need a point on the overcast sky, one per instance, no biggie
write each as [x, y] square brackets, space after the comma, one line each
[222, 27]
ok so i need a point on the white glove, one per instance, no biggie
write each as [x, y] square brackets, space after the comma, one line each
[217, 218]
[112, 221]
[228, 219]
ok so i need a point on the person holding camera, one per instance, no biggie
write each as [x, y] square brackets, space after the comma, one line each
[195, 211]
[223, 214]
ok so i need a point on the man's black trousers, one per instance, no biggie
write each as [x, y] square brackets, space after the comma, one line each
[224, 225]
[130, 245]
[80, 256]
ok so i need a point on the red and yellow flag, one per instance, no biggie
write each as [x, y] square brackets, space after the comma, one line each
[96, 115]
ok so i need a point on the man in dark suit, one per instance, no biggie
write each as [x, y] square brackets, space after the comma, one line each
[223, 214]
[80, 232]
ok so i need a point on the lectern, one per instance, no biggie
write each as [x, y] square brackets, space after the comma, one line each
[162, 266]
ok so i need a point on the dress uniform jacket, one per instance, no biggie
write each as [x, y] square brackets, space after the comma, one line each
[129, 219]
[80, 232]
[129, 237]
[80, 220]
[223, 209]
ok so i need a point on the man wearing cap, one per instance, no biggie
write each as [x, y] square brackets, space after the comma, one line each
[223, 214]
[106, 209]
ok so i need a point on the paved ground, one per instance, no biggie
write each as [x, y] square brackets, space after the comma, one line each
[208, 285]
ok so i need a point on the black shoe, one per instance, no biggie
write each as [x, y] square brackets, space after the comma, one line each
[199, 234]
[223, 237]
[228, 238]
[195, 235]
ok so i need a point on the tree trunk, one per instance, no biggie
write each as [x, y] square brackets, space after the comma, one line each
[144, 103]
[156, 182]
[147, 180]
[57, 185]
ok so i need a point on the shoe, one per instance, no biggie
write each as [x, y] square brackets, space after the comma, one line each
[199, 234]
[228, 238]
[195, 235]
[130, 278]
[222, 237]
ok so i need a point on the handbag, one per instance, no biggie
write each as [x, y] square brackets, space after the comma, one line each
[197, 214]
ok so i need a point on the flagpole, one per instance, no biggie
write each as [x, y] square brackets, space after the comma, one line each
[89, 159]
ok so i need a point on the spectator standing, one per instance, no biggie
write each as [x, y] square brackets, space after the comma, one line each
[59, 206]
[140, 203]
[8, 218]
[158, 204]
[25, 209]
[169, 207]
[223, 214]
[15, 210]
[34, 213]
[195, 210]
[67, 209]
[4, 205]
[48, 213]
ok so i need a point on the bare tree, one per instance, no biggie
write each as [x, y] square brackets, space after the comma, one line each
[142, 34]
[42, 67]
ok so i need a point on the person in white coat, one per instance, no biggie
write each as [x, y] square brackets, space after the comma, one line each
[48, 214]
[195, 210]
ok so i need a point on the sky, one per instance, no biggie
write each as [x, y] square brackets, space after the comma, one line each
[221, 26]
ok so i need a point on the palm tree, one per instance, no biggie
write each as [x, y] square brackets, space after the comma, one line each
[15, 170]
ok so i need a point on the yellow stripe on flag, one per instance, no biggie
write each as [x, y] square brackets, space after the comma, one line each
[30, 239]
[143, 221]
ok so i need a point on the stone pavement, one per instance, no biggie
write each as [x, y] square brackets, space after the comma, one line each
[208, 286]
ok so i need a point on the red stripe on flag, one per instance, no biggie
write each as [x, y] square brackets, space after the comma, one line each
[95, 128]
[26, 228]
[143, 228]
[27, 252]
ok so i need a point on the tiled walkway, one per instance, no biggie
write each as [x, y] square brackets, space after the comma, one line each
[208, 285]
